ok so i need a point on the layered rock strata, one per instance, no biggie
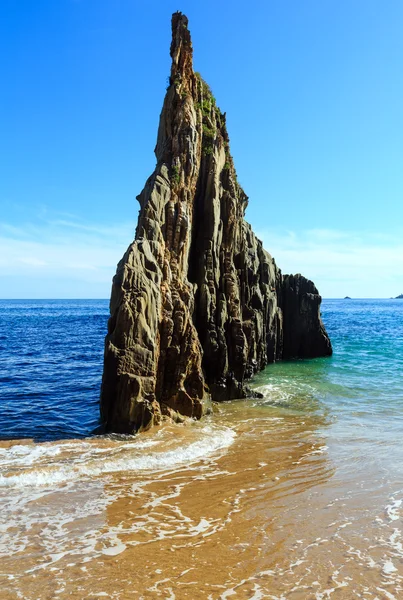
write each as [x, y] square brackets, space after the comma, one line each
[197, 306]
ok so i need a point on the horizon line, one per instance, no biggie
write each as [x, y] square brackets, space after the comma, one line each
[107, 299]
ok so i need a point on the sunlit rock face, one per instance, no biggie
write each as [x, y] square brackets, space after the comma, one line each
[197, 305]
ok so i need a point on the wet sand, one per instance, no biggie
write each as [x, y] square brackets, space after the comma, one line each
[268, 513]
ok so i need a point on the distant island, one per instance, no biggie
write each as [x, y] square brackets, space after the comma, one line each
[347, 298]
[400, 297]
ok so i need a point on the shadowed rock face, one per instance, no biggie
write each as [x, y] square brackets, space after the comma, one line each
[197, 306]
[304, 333]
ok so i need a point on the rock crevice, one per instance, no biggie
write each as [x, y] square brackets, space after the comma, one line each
[197, 305]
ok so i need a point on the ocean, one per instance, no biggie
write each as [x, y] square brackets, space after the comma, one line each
[298, 495]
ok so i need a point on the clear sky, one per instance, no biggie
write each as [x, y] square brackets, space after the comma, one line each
[313, 93]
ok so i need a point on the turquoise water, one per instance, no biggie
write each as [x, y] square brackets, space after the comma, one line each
[361, 384]
[359, 389]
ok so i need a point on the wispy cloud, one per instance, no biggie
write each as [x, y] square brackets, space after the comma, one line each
[63, 256]
[340, 262]
[47, 253]
[32, 261]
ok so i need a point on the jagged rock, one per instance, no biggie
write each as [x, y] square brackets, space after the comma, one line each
[197, 306]
[304, 333]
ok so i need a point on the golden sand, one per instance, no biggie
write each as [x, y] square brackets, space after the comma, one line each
[266, 516]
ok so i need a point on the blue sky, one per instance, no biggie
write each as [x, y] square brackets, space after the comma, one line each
[313, 92]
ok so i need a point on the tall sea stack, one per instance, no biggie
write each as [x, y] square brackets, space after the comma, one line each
[197, 306]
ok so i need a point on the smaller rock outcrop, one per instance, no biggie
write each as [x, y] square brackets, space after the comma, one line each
[304, 334]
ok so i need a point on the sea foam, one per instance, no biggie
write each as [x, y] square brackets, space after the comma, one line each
[125, 457]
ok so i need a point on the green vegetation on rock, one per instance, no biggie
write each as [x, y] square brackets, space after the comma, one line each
[175, 176]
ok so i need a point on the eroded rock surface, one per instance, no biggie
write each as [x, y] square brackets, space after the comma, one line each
[197, 306]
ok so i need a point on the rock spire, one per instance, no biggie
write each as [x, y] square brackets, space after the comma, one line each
[197, 305]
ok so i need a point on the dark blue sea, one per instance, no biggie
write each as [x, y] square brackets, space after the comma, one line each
[51, 353]
[297, 495]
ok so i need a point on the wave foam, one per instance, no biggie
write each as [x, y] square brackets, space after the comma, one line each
[392, 509]
[212, 439]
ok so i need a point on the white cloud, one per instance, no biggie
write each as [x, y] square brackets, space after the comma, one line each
[339, 262]
[36, 260]
[65, 257]
[32, 261]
